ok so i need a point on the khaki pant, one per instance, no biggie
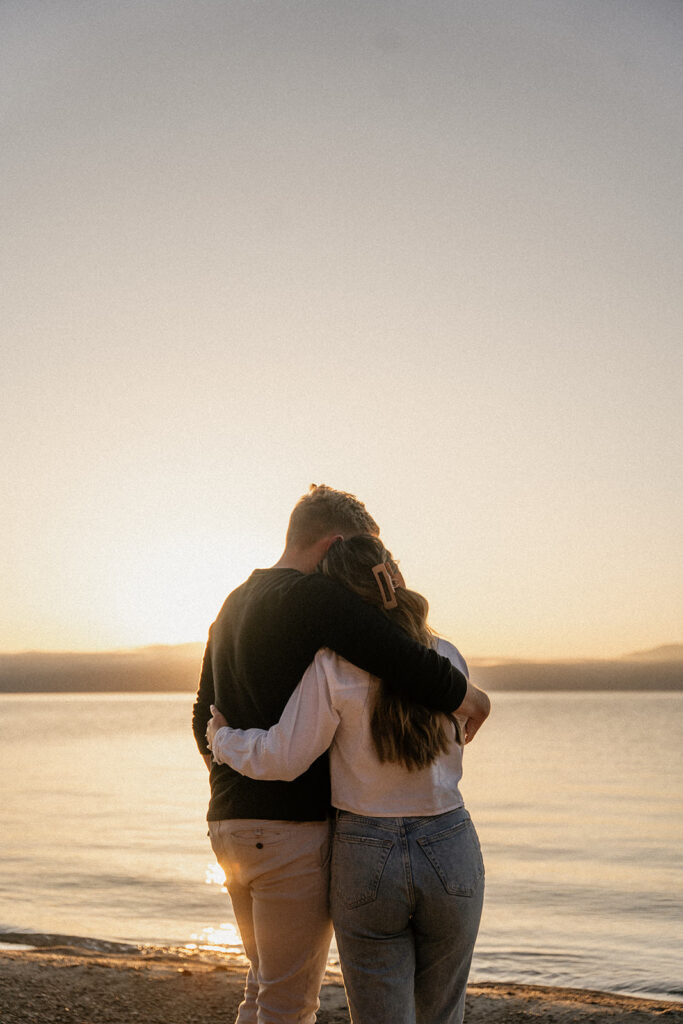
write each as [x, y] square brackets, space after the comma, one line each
[277, 874]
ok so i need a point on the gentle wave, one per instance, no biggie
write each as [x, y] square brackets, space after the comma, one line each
[42, 940]
[146, 950]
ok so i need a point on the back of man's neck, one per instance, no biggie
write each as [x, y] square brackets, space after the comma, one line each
[294, 560]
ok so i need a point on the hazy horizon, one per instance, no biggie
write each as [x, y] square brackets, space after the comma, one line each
[668, 651]
[161, 668]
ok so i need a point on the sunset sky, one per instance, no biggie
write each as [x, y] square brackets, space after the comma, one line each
[429, 252]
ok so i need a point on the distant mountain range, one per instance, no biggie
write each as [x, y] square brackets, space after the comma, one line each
[176, 668]
[667, 652]
[157, 668]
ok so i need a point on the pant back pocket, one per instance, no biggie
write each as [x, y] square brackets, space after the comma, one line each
[456, 857]
[358, 863]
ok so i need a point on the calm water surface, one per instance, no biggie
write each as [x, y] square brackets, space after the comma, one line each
[577, 800]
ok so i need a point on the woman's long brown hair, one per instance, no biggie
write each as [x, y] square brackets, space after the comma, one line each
[403, 732]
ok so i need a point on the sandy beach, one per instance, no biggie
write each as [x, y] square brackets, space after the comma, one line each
[72, 985]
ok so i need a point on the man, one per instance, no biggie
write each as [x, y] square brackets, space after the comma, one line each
[272, 838]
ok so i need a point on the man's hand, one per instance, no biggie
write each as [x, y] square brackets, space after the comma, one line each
[474, 711]
[216, 722]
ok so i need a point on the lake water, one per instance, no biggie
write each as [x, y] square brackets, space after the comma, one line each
[577, 800]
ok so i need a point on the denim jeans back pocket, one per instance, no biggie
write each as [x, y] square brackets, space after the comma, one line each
[357, 866]
[456, 857]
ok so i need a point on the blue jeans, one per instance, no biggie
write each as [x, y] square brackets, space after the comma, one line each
[406, 897]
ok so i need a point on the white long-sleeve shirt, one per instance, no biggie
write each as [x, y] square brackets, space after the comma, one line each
[331, 707]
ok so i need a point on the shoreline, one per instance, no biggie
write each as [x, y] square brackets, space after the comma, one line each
[71, 984]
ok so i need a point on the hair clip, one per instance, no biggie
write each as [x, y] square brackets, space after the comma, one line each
[386, 585]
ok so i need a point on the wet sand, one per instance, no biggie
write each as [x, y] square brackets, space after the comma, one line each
[71, 985]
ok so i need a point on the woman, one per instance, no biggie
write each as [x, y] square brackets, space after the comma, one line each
[407, 878]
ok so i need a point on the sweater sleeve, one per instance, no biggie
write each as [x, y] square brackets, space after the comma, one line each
[305, 730]
[201, 711]
[367, 638]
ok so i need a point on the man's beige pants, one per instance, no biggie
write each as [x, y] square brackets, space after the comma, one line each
[277, 874]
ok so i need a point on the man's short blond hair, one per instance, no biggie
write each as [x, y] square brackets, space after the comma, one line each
[324, 511]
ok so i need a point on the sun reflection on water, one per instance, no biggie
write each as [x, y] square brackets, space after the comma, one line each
[224, 938]
[214, 874]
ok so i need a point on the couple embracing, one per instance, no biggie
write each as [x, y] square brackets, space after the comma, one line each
[328, 649]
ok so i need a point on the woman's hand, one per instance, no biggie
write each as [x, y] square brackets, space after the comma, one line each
[474, 710]
[216, 722]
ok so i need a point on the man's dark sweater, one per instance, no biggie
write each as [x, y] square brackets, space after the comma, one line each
[265, 636]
